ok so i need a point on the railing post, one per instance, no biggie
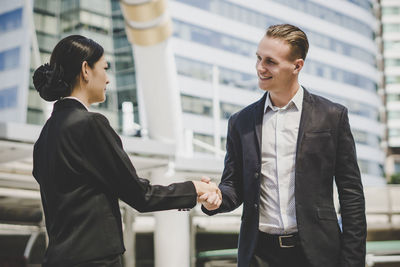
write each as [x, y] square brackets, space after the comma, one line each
[390, 206]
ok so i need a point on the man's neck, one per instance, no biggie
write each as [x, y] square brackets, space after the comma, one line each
[282, 98]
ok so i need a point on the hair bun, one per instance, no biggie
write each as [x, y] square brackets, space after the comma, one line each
[49, 82]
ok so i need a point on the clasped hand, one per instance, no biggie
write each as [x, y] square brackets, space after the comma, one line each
[208, 193]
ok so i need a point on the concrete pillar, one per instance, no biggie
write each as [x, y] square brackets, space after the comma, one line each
[172, 230]
[129, 237]
[148, 27]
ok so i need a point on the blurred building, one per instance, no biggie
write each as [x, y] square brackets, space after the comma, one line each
[390, 13]
[214, 48]
[341, 64]
[214, 45]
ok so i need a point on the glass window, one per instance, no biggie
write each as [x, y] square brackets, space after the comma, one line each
[222, 41]
[356, 108]
[46, 42]
[45, 23]
[50, 7]
[45, 56]
[393, 97]
[102, 7]
[9, 59]
[388, 45]
[124, 79]
[366, 4]
[394, 132]
[322, 70]
[8, 97]
[228, 109]
[35, 116]
[209, 139]
[194, 69]
[365, 138]
[391, 27]
[94, 21]
[211, 38]
[390, 10]
[392, 79]
[392, 62]
[10, 20]
[395, 115]
[370, 167]
[203, 71]
[238, 79]
[123, 61]
[197, 105]
[229, 10]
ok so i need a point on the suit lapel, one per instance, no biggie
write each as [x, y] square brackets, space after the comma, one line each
[258, 115]
[305, 120]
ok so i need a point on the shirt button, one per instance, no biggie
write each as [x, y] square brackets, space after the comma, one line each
[256, 175]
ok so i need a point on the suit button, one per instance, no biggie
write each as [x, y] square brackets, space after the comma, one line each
[256, 206]
[256, 175]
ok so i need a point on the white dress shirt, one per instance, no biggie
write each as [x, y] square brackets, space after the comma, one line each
[278, 156]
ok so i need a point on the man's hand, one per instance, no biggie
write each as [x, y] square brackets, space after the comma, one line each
[212, 199]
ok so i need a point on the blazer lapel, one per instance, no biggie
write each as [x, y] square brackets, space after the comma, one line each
[305, 117]
[258, 115]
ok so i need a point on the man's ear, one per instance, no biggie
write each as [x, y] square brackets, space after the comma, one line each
[85, 71]
[298, 65]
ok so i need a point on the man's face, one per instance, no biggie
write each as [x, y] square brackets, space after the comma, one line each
[276, 71]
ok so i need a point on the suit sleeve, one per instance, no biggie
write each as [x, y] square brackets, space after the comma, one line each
[108, 165]
[231, 185]
[351, 197]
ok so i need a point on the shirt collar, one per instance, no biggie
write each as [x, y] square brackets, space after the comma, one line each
[297, 101]
[77, 99]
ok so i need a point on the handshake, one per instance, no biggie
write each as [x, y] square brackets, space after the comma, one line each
[208, 193]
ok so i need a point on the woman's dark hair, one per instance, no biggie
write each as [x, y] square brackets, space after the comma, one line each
[56, 80]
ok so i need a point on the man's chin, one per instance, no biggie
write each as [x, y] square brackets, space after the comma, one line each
[263, 87]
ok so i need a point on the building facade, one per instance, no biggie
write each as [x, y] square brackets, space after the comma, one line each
[214, 46]
[390, 13]
[341, 64]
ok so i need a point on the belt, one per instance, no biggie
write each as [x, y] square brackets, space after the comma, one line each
[281, 241]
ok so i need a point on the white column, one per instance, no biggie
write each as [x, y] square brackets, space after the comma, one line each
[158, 86]
[172, 230]
[129, 237]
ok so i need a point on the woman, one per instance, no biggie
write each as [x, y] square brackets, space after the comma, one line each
[82, 168]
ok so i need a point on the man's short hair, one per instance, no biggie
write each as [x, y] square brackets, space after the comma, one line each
[295, 37]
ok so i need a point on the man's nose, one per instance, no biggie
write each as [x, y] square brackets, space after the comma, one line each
[260, 67]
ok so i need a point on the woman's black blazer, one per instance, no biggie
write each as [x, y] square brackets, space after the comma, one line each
[83, 170]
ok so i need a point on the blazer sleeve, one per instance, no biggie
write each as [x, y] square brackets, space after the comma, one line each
[351, 197]
[231, 185]
[108, 165]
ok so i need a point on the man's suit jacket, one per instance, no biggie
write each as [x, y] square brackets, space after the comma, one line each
[83, 170]
[325, 152]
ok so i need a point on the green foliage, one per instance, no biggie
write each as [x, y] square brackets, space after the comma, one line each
[395, 178]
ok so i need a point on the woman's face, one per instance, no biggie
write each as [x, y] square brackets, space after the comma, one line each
[98, 79]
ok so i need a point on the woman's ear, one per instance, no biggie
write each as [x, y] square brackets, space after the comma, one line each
[85, 71]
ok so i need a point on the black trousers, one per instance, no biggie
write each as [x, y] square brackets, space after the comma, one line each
[275, 251]
[111, 261]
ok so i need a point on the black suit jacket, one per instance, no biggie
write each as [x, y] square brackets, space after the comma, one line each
[83, 170]
[325, 152]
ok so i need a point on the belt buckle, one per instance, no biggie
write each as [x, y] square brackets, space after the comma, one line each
[280, 241]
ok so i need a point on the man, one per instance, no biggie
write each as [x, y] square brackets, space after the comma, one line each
[283, 153]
